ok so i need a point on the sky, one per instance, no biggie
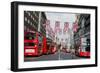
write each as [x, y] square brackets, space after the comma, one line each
[62, 17]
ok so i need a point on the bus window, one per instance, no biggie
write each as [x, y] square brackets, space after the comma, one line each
[40, 41]
[30, 36]
[29, 44]
[88, 45]
[40, 38]
[88, 48]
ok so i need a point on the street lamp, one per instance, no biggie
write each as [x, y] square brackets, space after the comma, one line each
[39, 21]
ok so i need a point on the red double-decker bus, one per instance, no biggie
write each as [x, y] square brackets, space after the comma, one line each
[51, 46]
[44, 49]
[84, 48]
[33, 43]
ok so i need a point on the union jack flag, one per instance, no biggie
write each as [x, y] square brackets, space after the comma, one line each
[47, 24]
[57, 26]
[66, 26]
[75, 26]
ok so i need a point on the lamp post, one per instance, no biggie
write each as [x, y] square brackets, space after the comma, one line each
[39, 22]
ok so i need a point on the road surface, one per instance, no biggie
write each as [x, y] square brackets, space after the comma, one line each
[56, 56]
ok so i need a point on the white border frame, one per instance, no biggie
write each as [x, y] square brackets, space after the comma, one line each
[22, 64]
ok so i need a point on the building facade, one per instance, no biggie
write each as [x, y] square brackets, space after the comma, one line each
[34, 20]
[83, 29]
